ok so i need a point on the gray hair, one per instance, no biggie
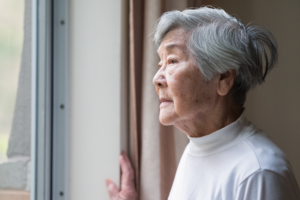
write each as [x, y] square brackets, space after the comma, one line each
[219, 42]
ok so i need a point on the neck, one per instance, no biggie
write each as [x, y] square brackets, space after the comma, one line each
[206, 123]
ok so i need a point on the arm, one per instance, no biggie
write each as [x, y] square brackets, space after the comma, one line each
[127, 191]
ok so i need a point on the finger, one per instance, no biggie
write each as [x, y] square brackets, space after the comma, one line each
[126, 159]
[112, 189]
[127, 173]
[125, 164]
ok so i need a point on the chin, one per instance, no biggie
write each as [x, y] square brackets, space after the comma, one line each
[166, 120]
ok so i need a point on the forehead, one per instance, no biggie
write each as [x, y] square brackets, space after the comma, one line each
[175, 39]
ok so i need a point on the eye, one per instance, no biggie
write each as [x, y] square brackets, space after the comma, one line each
[172, 61]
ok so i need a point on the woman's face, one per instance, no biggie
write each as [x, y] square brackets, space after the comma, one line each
[181, 87]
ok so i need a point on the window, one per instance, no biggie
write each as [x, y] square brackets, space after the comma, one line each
[15, 98]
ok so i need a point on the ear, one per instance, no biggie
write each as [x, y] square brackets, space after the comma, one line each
[226, 82]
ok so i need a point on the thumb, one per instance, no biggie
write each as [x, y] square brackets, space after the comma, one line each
[113, 190]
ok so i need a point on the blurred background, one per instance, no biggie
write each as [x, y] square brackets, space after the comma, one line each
[11, 42]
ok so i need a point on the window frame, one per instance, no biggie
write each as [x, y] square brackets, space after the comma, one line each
[49, 124]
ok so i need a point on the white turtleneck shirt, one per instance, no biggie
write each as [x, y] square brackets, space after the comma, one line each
[237, 162]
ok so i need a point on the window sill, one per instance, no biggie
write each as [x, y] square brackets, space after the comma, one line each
[14, 195]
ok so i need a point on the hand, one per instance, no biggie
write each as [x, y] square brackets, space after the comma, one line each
[127, 182]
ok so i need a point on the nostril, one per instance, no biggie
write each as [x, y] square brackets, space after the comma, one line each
[159, 84]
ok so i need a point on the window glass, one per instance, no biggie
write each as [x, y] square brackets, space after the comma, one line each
[11, 41]
[15, 99]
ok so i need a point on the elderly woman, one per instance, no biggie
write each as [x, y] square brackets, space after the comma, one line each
[209, 61]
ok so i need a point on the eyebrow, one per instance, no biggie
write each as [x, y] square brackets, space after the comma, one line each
[173, 45]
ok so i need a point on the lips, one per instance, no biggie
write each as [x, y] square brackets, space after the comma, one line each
[165, 100]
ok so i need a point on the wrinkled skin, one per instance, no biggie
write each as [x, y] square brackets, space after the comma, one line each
[128, 191]
[195, 106]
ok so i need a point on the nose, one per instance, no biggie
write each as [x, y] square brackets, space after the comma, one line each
[159, 80]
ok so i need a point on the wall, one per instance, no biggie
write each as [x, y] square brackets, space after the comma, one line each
[275, 106]
[96, 69]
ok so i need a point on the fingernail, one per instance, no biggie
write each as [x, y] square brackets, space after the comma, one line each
[123, 153]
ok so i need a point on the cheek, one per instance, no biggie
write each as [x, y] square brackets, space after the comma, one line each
[185, 84]
[189, 94]
[171, 71]
[183, 94]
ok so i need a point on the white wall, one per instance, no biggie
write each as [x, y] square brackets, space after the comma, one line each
[275, 106]
[95, 65]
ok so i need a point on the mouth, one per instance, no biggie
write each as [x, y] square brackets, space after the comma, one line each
[165, 102]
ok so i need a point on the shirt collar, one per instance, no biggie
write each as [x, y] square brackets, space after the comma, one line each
[221, 139]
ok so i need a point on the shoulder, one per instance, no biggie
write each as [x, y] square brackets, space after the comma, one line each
[268, 185]
[268, 155]
[273, 176]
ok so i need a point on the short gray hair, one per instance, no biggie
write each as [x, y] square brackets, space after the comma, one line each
[219, 42]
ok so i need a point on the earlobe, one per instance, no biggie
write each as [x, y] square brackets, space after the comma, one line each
[226, 82]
